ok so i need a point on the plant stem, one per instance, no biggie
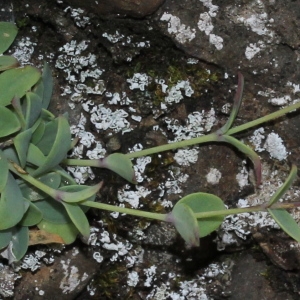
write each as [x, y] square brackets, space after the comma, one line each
[28, 178]
[264, 119]
[226, 212]
[198, 140]
[123, 210]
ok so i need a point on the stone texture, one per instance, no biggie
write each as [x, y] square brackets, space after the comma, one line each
[132, 8]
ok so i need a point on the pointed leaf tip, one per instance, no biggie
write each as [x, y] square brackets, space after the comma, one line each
[77, 193]
[120, 164]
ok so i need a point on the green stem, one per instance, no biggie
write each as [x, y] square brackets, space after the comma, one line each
[28, 178]
[128, 211]
[264, 119]
[226, 212]
[198, 140]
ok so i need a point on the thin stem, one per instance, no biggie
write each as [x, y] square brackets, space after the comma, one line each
[264, 119]
[128, 211]
[226, 212]
[38, 184]
[198, 140]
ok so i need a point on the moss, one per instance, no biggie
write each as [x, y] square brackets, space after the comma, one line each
[21, 23]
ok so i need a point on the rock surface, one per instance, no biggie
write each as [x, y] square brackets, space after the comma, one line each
[260, 38]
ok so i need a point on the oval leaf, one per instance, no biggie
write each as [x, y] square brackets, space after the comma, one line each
[8, 62]
[120, 164]
[32, 107]
[60, 147]
[48, 85]
[286, 222]
[203, 202]
[12, 205]
[35, 155]
[68, 232]
[21, 142]
[32, 216]
[78, 218]
[16, 82]
[4, 171]
[9, 123]
[186, 224]
[53, 211]
[8, 32]
[19, 243]
[5, 237]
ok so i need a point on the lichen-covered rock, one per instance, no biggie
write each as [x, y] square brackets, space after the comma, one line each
[261, 38]
[133, 8]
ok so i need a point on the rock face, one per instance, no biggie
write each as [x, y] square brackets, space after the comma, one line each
[132, 8]
[261, 38]
[129, 37]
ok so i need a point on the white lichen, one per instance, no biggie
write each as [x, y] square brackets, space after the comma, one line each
[182, 33]
[274, 145]
[213, 176]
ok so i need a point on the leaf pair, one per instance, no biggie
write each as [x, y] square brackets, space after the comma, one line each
[183, 216]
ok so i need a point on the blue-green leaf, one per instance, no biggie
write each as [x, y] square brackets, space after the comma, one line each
[203, 202]
[9, 123]
[8, 32]
[32, 107]
[78, 218]
[20, 240]
[59, 148]
[4, 171]
[21, 142]
[185, 223]
[12, 205]
[68, 232]
[286, 222]
[16, 82]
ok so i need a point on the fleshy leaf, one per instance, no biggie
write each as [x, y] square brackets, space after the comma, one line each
[53, 211]
[16, 82]
[78, 193]
[48, 85]
[185, 223]
[32, 216]
[35, 155]
[120, 164]
[68, 232]
[8, 62]
[78, 218]
[8, 32]
[286, 222]
[12, 206]
[20, 240]
[59, 148]
[203, 202]
[3, 171]
[5, 237]
[287, 184]
[38, 133]
[9, 123]
[32, 107]
[33, 194]
[21, 142]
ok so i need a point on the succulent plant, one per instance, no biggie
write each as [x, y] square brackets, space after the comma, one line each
[41, 203]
